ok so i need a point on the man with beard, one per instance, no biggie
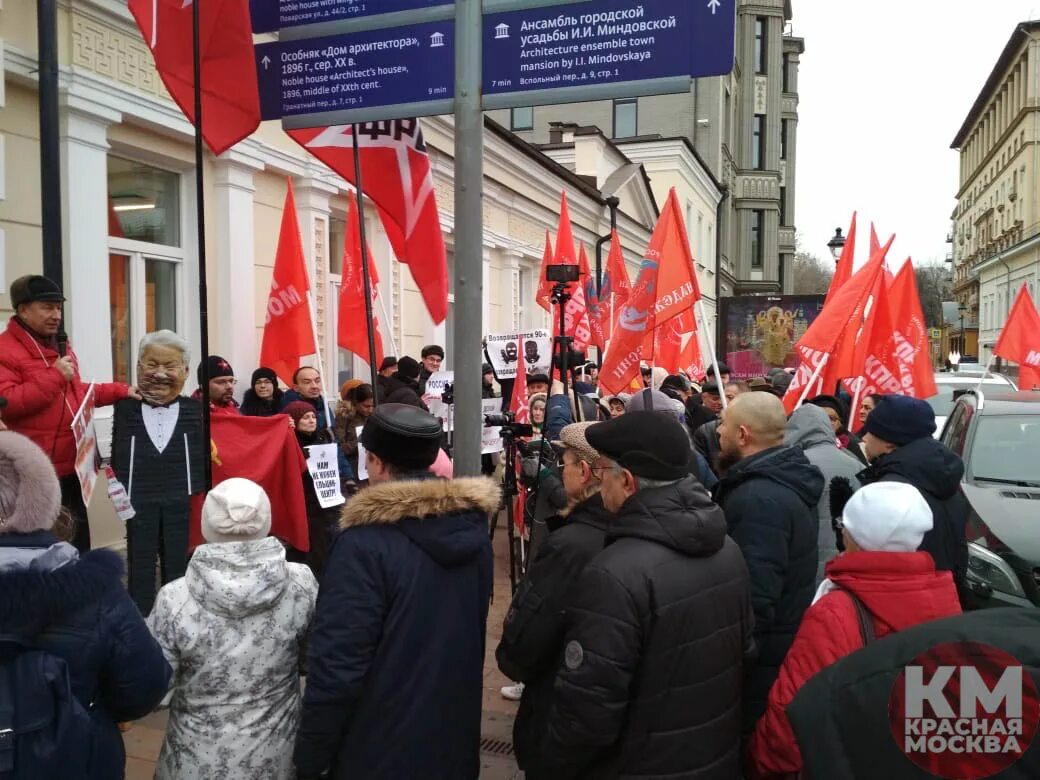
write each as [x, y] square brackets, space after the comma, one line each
[157, 454]
[307, 387]
[706, 437]
[221, 386]
[769, 494]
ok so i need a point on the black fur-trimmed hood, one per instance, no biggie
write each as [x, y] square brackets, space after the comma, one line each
[34, 596]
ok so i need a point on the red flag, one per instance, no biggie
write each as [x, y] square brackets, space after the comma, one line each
[542, 297]
[668, 341]
[230, 97]
[846, 263]
[690, 360]
[396, 173]
[832, 336]
[875, 245]
[598, 318]
[615, 289]
[518, 403]
[564, 254]
[263, 449]
[1020, 340]
[910, 334]
[666, 286]
[878, 369]
[352, 328]
[288, 331]
[576, 313]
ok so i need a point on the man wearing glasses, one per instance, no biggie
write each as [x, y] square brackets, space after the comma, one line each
[221, 386]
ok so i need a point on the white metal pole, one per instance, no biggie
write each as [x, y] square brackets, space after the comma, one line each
[699, 314]
[330, 421]
[389, 327]
[989, 364]
[812, 380]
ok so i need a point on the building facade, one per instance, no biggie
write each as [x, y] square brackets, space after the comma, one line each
[996, 223]
[744, 126]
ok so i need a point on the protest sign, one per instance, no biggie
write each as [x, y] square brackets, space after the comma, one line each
[86, 446]
[362, 457]
[506, 350]
[323, 464]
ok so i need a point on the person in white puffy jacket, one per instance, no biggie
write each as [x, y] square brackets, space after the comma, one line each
[232, 629]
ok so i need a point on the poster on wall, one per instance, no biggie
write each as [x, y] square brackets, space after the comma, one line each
[506, 350]
[759, 331]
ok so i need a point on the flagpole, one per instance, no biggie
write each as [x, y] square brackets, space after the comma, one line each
[699, 313]
[989, 365]
[200, 223]
[812, 380]
[390, 327]
[330, 421]
[856, 396]
[374, 369]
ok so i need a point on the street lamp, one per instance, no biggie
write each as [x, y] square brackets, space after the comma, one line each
[960, 338]
[836, 244]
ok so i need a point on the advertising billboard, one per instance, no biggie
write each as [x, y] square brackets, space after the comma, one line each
[759, 331]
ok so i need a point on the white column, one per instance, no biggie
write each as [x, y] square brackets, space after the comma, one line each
[313, 211]
[84, 169]
[237, 334]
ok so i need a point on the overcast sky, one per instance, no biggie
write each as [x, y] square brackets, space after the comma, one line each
[884, 86]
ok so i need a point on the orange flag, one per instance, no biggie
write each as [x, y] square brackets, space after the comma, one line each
[288, 331]
[665, 287]
[544, 285]
[846, 263]
[352, 327]
[1020, 340]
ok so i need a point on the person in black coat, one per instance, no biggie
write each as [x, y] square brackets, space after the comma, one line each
[898, 438]
[769, 495]
[532, 638]
[396, 657]
[658, 625]
[841, 715]
[402, 387]
[264, 397]
[73, 607]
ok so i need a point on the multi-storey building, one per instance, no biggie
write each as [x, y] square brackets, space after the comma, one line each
[996, 224]
[744, 126]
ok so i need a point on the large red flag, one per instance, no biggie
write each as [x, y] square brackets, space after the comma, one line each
[832, 336]
[910, 333]
[396, 174]
[664, 288]
[668, 341]
[615, 289]
[521, 409]
[846, 263]
[691, 361]
[264, 450]
[1020, 340]
[576, 313]
[878, 369]
[544, 294]
[230, 97]
[288, 330]
[352, 327]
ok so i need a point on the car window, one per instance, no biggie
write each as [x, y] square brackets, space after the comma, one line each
[943, 401]
[1006, 449]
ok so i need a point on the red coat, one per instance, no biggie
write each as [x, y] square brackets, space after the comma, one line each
[40, 403]
[899, 590]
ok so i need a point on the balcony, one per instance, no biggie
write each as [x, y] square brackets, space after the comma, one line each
[758, 186]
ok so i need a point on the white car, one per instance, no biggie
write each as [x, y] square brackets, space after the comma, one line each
[946, 383]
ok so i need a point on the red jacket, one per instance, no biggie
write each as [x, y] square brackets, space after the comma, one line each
[40, 403]
[899, 590]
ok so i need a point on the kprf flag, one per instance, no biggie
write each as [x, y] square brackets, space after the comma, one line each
[396, 176]
[669, 340]
[877, 367]
[830, 342]
[544, 295]
[910, 332]
[352, 327]
[575, 312]
[665, 287]
[230, 97]
[264, 450]
[690, 360]
[1019, 341]
[288, 330]
[846, 263]
[615, 289]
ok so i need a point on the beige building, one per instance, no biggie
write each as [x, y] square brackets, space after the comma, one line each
[996, 224]
[130, 261]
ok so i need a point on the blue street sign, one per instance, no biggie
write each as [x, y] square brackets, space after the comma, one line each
[271, 15]
[606, 42]
[362, 70]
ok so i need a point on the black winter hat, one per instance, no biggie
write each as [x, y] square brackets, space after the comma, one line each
[218, 367]
[900, 419]
[831, 402]
[403, 436]
[32, 288]
[648, 444]
[388, 362]
[408, 368]
[538, 379]
[432, 349]
[262, 373]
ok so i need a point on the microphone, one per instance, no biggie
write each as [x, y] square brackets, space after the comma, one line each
[63, 342]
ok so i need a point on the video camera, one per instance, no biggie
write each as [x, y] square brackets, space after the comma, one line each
[448, 394]
[575, 359]
[562, 274]
[511, 429]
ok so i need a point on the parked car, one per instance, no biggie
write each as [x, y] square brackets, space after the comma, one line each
[949, 385]
[998, 437]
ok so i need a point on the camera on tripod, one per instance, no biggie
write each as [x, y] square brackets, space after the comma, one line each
[448, 394]
[511, 429]
[575, 358]
[562, 274]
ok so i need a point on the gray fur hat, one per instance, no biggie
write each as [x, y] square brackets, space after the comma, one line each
[29, 493]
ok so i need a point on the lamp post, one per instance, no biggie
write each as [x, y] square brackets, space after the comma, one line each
[960, 338]
[836, 244]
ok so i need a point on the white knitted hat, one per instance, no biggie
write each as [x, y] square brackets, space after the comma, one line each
[236, 510]
[887, 517]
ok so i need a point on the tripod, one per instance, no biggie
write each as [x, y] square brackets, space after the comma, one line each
[510, 490]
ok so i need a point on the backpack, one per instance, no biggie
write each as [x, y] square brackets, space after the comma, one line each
[45, 732]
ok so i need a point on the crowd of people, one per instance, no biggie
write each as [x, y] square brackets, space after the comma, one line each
[695, 557]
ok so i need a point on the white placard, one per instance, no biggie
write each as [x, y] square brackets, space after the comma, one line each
[362, 457]
[323, 464]
[491, 438]
[506, 350]
[435, 384]
[86, 446]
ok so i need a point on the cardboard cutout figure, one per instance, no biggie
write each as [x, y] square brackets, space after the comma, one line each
[157, 454]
